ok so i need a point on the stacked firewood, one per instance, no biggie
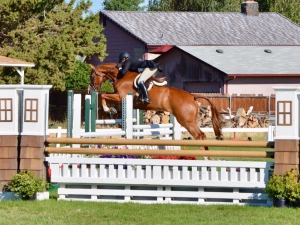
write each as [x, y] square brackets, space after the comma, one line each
[245, 120]
[156, 117]
[241, 119]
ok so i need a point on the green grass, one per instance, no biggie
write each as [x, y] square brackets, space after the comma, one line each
[64, 212]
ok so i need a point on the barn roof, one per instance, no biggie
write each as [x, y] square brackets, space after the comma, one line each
[206, 28]
[162, 49]
[254, 60]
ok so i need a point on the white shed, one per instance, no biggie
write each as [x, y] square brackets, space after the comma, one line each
[23, 108]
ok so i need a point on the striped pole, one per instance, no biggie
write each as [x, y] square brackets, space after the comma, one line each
[70, 114]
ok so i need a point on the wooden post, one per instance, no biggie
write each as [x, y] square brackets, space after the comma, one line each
[287, 129]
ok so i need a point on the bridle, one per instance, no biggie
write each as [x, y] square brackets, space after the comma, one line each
[105, 77]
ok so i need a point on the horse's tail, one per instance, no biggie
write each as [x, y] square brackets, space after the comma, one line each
[216, 116]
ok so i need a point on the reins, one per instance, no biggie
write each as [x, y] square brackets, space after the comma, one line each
[105, 77]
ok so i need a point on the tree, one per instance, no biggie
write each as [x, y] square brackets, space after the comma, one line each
[123, 5]
[50, 34]
[194, 5]
[288, 8]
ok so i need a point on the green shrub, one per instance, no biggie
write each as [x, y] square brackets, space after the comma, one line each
[79, 79]
[26, 184]
[107, 87]
[286, 185]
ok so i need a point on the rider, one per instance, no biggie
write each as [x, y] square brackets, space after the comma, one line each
[149, 68]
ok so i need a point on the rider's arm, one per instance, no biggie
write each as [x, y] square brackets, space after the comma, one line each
[125, 67]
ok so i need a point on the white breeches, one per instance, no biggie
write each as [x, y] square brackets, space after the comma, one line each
[147, 73]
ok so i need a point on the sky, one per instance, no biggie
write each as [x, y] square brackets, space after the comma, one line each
[97, 5]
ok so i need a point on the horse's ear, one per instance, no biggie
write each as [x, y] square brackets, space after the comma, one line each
[92, 66]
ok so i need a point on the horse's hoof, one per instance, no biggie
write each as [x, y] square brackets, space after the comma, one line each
[112, 110]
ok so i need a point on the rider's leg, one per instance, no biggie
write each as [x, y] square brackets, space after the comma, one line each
[143, 88]
[145, 75]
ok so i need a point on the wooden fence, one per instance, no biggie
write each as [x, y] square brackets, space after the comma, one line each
[261, 104]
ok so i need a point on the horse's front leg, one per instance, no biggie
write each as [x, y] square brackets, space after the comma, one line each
[113, 97]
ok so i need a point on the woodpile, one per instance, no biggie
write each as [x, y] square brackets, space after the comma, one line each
[156, 117]
[241, 119]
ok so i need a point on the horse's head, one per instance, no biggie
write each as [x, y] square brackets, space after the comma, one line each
[100, 74]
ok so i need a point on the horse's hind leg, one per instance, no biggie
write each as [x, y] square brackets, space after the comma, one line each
[198, 135]
[190, 121]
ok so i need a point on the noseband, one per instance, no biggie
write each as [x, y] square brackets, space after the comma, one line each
[92, 80]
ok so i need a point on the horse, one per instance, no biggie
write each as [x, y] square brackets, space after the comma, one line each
[183, 105]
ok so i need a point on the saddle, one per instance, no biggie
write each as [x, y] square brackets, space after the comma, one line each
[161, 81]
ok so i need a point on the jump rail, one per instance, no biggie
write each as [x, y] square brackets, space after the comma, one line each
[102, 151]
[209, 143]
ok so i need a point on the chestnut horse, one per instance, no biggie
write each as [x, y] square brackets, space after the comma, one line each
[180, 103]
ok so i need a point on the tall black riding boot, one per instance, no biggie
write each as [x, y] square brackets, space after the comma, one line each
[143, 88]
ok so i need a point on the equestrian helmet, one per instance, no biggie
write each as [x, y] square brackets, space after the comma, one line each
[123, 55]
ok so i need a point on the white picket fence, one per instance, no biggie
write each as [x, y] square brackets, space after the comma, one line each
[161, 181]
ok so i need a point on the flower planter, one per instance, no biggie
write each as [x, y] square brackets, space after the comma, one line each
[9, 196]
[295, 204]
[40, 196]
[279, 202]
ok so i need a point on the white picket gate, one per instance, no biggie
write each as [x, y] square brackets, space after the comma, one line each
[161, 181]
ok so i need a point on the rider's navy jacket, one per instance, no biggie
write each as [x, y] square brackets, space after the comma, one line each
[134, 65]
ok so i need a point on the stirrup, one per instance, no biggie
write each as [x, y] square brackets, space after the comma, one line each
[146, 100]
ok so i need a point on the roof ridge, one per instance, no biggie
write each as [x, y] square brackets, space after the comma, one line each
[287, 19]
[181, 12]
[205, 28]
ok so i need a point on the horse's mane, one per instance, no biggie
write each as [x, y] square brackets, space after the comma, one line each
[105, 66]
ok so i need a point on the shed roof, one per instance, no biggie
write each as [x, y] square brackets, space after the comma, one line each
[6, 61]
[18, 64]
[206, 28]
[254, 60]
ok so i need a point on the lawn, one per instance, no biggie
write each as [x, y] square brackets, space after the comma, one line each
[66, 212]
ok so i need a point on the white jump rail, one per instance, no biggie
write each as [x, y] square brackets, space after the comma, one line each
[161, 181]
[269, 130]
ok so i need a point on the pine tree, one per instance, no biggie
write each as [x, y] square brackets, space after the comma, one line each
[123, 5]
[50, 34]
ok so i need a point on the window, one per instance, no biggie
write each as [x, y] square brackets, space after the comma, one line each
[6, 110]
[284, 113]
[31, 110]
[138, 53]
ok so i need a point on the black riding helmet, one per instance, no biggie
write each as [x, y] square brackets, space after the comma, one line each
[123, 55]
